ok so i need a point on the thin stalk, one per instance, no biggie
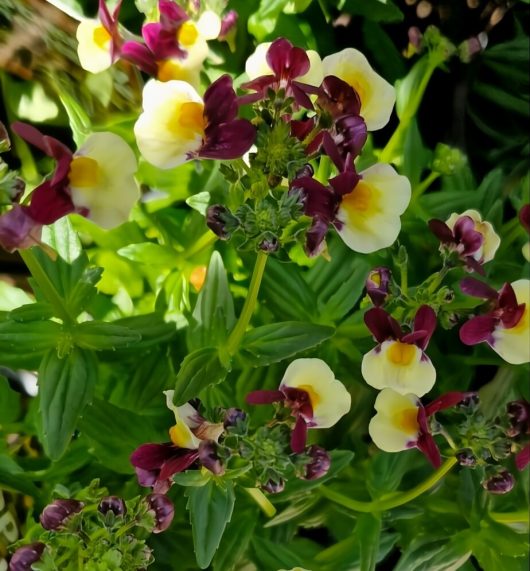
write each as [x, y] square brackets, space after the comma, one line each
[510, 517]
[424, 185]
[203, 242]
[261, 499]
[248, 307]
[46, 285]
[395, 500]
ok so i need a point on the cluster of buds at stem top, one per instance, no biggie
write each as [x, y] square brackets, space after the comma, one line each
[506, 326]
[55, 515]
[518, 413]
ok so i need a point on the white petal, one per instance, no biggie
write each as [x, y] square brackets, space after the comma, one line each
[416, 374]
[329, 397]
[492, 240]
[513, 345]
[377, 95]
[315, 75]
[111, 200]
[94, 57]
[370, 213]
[209, 25]
[256, 64]
[184, 436]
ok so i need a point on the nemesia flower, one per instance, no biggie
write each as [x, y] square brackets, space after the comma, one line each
[519, 418]
[377, 285]
[177, 125]
[524, 218]
[500, 483]
[55, 515]
[280, 65]
[399, 361]
[401, 422]
[96, 181]
[377, 96]
[319, 464]
[99, 40]
[474, 240]
[155, 464]
[315, 397]
[163, 510]
[506, 327]
[24, 557]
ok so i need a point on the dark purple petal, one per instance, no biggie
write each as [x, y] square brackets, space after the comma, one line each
[476, 288]
[300, 128]
[425, 442]
[163, 510]
[110, 23]
[112, 504]
[522, 458]
[299, 436]
[49, 202]
[333, 152]
[510, 311]
[209, 457]
[24, 557]
[377, 285]
[177, 463]
[500, 483]
[345, 182]
[264, 397]
[351, 134]
[228, 24]
[162, 43]
[139, 55]
[414, 338]
[477, 330]
[446, 400]
[234, 417]
[274, 486]
[171, 14]
[318, 200]
[524, 217]
[18, 229]
[220, 101]
[382, 325]
[300, 95]
[319, 464]
[287, 61]
[441, 231]
[314, 238]
[465, 233]
[152, 456]
[425, 320]
[473, 265]
[146, 478]
[54, 515]
[229, 140]
[338, 98]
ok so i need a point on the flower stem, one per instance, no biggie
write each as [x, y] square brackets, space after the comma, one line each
[424, 185]
[248, 307]
[203, 242]
[510, 517]
[46, 285]
[261, 499]
[393, 501]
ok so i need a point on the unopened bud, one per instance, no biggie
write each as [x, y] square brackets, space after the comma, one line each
[470, 403]
[377, 285]
[54, 515]
[500, 483]
[234, 417]
[518, 414]
[466, 458]
[319, 464]
[221, 221]
[24, 557]
[274, 487]
[228, 25]
[269, 243]
[209, 457]
[163, 509]
[112, 504]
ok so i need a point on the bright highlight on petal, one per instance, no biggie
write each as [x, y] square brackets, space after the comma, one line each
[170, 127]
[376, 94]
[94, 46]
[395, 426]
[400, 366]
[491, 239]
[369, 215]
[209, 25]
[181, 434]
[329, 398]
[101, 179]
[513, 344]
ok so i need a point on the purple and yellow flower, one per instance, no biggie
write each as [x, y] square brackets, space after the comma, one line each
[99, 41]
[96, 181]
[473, 239]
[316, 398]
[377, 96]
[177, 125]
[190, 441]
[399, 361]
[401, 422]
[506, 327]
[377, 285]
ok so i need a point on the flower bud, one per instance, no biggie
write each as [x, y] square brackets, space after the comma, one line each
[163, 509]
[234, 417]
[500, 483]
[466, 458]
[112, 504]
[319, 464]
[469, 404]
[221, 221]
[228, 25]
[24, 557]
[209, 458]
[54, 515]
[5, 143]
[274, 487]
[377, 285]
[269, 243]
[518, 416]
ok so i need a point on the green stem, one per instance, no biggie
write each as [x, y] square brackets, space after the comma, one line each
[261, 499]
[511, 517]
[397, 499]
[248, 307]
[203, 242]
[404, 281]
[424, 185]
[46, 285]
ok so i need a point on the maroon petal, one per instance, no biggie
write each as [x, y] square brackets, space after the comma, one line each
[425, 320]
[414, 337]
[447, 400]
[152, 456]
[49, 202]
[465, 233]
[476, 288]
[178, 464]
[172, 16]
[425, 442]
[264, 397]
[48, 145]
[478, 329]
[286, 61]
[345, 182]
[318, 199]
[441, 231]
[332, 150]
[228, 141]
[163, 43]
[473, 265]
[139, 55]
[300, 96]
[522, 458]
[146, 478]
[220, 101]
[18, 229]
[382, 325]
[524, 217]
[299, 436]
[507, 297]
[300, 128]
[315, 236]
[338, 98]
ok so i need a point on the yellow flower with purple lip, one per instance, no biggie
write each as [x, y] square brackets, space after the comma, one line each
[376, 94]
[399, 361]
[316, 398]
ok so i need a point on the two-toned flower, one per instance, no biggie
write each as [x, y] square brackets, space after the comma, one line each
[177, 125]
[96, 181]
[473, 239]
[402, 422]
[191, 440]
[377, 285]
[399, 360]
[506, 326]
[312, 393]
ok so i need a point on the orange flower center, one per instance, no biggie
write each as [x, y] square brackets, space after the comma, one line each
[188, 33]
[101, 37]
[401, 353]
[84, 172]
[407, 420]
[188, 120]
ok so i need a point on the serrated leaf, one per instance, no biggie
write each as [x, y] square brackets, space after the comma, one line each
[278, 341]
[65, 386]
[101, 336]
[150, 254]
[38, 311]
[235, 540]
[210, 508]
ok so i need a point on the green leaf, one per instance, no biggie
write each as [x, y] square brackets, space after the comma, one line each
[39, 311]
[192, 478]
[23, 344]
[213, 316]
[377, 10]
[278, 341]
[198, 370]
[236, 540]
[199, 202]
[263, 21]
[12, 477]
[100, 336]
[368, 530]
[65, 386]
[12, 297]
[150, 254]
[272, 555]
[210, 508]
[151, 327]
[423, 554]
[9, 403]
[84, 290]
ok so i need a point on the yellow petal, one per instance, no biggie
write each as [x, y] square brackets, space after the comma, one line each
[93, 47]
[329, 398]
[376, 94]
